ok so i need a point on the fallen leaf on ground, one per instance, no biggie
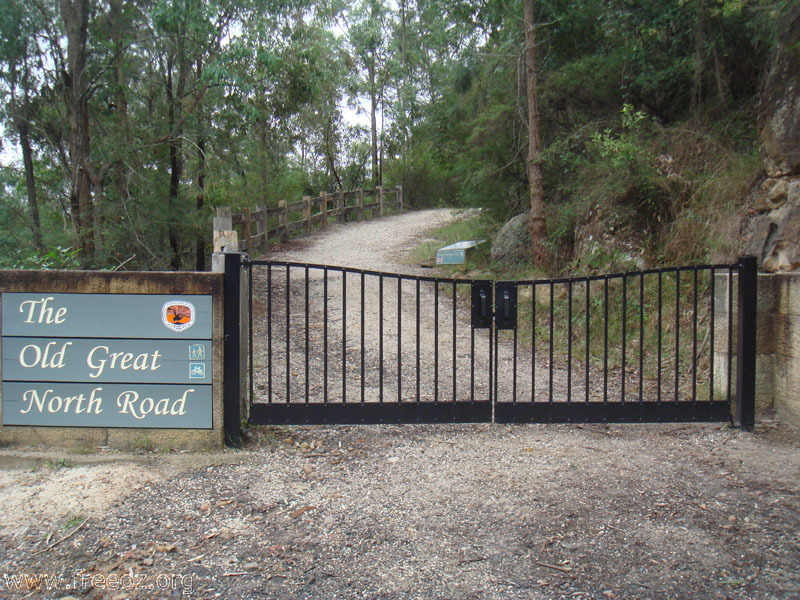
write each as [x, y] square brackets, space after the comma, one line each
[302, 510]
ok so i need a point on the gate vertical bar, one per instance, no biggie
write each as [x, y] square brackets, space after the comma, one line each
[288, 333]
[746, 344]
[436, 341]
[550, 391]
[730, 334]
[232, 346]
[641, 337]
[660, 289]
[712, 326]
[363, 373]
[307, 324]
[605, 339]
[694, 341]
[455, 297]
[250, 378]
[586, 344]
[417, 285]
[399, 339]
[677, 333]
[325, 335]
[269, 333]
[624, 335]
[344, 336]
[533, 341]
[569, 341]
[380, 339]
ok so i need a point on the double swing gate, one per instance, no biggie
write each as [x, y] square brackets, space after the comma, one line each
[329, 344]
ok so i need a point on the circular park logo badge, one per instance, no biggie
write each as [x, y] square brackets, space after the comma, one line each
[178, 315]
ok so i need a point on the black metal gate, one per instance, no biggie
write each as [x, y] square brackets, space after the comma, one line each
[338, 345]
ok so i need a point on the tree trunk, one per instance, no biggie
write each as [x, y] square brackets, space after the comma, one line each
[373, 109]
[75, 14]
[21, 119]
[200, 245]
[30, 184]
[174, 101]
[540, 255]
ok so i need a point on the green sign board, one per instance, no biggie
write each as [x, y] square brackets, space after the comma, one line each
[107, 316]
[107, 360]
[108, 405]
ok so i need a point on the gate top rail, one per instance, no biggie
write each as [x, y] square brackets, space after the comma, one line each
[737, 266]
[351, 270]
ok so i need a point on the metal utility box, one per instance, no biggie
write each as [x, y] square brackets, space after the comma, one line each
[455, 254]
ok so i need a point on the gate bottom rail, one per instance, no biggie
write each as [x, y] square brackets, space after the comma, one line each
[612, 412]
[370, 413]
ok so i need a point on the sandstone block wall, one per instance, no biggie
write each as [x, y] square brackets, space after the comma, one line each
[777, 344]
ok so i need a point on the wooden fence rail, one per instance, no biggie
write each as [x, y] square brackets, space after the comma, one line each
[257, 226]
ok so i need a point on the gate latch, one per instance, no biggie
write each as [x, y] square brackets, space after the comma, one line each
[506, 307]
[481, 305]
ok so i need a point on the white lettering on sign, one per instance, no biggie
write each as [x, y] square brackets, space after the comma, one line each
[40, 312]
[130, 403]
[100, 358]
[33, 356]
[49, 402]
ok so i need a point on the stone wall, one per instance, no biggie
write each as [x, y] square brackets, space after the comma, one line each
[99, 282]
[777, 344]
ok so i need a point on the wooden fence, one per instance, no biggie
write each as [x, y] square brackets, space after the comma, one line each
[256, 227]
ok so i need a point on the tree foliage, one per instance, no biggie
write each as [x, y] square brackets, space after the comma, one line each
[126, 122]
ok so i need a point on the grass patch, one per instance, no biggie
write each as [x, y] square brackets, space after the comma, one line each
[265, 438]
[72, 521]
[61, 463]
[472, 226]
[143, 443]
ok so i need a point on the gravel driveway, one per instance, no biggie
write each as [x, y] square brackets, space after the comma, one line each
[412, 511]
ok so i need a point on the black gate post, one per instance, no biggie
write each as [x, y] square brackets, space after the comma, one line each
[231, 366]
[746, 344]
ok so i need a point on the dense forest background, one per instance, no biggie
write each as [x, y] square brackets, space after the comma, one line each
[126, 122]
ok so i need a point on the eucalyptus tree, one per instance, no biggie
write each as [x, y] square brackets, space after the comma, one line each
[18, 56]
[538, 222]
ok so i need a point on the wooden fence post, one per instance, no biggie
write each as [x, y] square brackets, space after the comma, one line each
[400, 198]
[258, 225]
[324, 208]
[307, 213]
[283, 220]
[247, 232]
[360, 204]
[340, 207]
[263, 227]
[379, 189]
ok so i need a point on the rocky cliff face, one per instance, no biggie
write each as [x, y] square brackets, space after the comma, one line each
[774, 235]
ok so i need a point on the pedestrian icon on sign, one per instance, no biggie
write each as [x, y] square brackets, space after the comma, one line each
[197, 352]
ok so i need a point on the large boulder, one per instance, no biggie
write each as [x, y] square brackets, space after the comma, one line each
[512, 244]
[782, 251]
[774, 235]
